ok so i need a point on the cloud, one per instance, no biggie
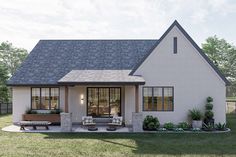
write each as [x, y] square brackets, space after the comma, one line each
[25, 22]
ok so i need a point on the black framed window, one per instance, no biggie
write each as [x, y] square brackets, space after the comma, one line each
[103, 101]
[158, 98]
[45, 98]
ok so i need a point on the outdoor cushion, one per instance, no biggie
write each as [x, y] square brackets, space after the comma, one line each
[88, 120]
[116, 121]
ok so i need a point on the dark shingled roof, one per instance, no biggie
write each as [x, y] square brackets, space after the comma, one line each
[50, 60]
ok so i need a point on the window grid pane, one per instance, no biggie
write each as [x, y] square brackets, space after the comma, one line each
[35, 98]
[168, 99]
[54, 98]
[45, 98]
[158, 99]
[147, 97]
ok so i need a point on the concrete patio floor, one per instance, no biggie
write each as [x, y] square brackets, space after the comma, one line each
[75, 128]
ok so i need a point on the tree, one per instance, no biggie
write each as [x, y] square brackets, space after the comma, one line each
[4, 94]
[223, 55]
[11, 57]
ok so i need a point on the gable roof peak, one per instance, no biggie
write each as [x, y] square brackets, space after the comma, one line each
[175, 23]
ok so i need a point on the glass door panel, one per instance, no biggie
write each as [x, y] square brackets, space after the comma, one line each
[104, 102]
[115, 102]
[92, 102]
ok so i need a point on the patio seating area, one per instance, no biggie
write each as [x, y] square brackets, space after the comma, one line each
[75, 128]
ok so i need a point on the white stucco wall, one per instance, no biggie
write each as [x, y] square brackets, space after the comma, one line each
[190, 75]
[20, 101]
[77, 107]
[129, 103]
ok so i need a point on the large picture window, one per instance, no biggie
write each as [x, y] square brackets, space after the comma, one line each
[44, 98]
[158, 98]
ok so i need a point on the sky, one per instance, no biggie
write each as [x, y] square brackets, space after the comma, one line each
[25, 22]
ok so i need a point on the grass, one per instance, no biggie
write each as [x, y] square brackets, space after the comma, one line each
[125, 144]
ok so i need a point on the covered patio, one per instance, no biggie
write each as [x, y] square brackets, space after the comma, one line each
[80, 81]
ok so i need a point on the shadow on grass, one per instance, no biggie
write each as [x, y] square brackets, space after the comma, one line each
[161, 143]
[169, 144]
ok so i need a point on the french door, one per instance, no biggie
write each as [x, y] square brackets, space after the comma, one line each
[103, 101]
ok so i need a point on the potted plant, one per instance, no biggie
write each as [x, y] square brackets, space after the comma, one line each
[150, 123]
[209, 120]
[196, 117]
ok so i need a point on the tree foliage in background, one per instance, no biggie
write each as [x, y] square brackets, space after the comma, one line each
[4, 94]
[10, 59]
[223, 55]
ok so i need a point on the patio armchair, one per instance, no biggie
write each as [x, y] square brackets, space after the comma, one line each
[116, 122]
[88, 121]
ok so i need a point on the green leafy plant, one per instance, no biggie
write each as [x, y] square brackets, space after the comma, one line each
[34, 112]
[29, 111]
[209, 106]
[150, 123]
[183, 125]
[221, 127]
[169, 126]
[57, 111]
[209, 99]
[208, 127]
[195, 114]
[209, 114]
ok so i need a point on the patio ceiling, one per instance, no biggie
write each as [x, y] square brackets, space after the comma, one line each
[101, 77]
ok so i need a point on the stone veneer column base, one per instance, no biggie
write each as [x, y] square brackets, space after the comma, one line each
[137, 121]
[66, 122]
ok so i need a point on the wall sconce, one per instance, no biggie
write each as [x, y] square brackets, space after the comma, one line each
[82, 98]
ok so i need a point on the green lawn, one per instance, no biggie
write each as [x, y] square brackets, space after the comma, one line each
[126, 144]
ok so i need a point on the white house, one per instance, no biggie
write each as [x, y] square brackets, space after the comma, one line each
[165, 78]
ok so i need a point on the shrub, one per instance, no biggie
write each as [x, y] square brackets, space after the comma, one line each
[150, 123]
[169, 126]
[209, 106]
[209, 99]
[33, 112]
[57, 111]
[183, 125]
[220, 126]
[195, 114]
[209, 114]
[29, 111]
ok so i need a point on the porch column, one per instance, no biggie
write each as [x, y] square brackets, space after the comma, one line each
[136, 98]
[66, 99]
[66, 117]
[137, 116]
